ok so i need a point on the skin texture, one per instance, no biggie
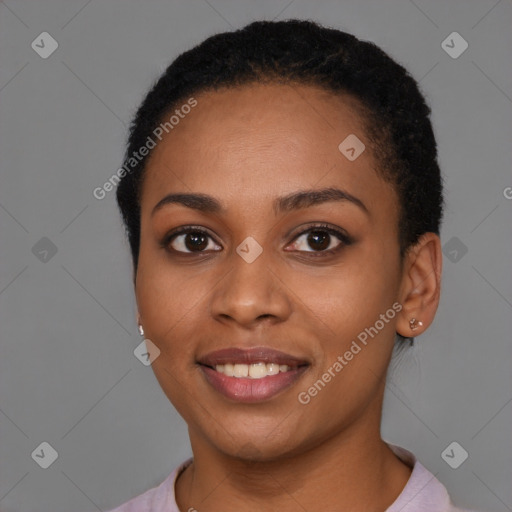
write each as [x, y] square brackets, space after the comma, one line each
[247, 146]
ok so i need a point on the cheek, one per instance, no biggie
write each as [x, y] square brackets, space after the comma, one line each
[165, 301]
[346, 307]
[354, 343]
[349, 297]
[168, 304]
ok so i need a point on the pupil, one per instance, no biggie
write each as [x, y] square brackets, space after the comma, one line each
[321, 238]
[195, 241]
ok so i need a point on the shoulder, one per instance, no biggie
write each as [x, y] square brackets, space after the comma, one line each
[158, 499]
[423, 491]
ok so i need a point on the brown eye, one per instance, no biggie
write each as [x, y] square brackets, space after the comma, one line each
[321, 239]
[196, 241]
[190, 241]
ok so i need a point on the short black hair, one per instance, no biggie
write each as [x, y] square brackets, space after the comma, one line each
[394, 112]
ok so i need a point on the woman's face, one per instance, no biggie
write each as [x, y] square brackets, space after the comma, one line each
[264, 275]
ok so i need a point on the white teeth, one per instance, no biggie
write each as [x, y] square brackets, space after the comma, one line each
[241, 370]
[272, 369]
[254, 371]
[258, 370]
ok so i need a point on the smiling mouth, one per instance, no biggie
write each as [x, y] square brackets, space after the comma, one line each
[252, 383]
[257, 370]
[251, 375]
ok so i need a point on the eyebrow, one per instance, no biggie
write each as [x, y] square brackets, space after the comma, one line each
[294, 201]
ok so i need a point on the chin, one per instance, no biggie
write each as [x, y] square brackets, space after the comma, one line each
[256, 446]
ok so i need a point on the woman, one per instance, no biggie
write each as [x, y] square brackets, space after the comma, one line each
[282, 200]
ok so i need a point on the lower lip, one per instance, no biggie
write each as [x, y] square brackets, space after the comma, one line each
[247, 390]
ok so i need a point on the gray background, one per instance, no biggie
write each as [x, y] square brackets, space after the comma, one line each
[68, 375]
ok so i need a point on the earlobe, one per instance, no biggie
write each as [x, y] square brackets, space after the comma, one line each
[421, 286]
[414, 324]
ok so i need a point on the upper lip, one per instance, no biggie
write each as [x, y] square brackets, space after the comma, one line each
[250, 356]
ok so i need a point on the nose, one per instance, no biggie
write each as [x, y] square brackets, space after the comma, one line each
[251, 293]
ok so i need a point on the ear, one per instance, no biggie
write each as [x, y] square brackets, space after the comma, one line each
[420, 288]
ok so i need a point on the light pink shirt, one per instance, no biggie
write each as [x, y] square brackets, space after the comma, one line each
[422, 493]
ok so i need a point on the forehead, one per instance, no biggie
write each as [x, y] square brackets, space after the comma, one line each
[263, 139]
[268, 114]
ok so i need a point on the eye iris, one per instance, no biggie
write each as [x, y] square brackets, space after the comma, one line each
[320, 239]
[195, 241]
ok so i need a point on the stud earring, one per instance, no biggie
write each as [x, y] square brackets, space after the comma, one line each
[414, 324]
[141, 330]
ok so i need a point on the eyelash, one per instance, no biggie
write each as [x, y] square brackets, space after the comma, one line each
[344, 238]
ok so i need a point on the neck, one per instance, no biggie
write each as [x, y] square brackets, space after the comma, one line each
[355, 470]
